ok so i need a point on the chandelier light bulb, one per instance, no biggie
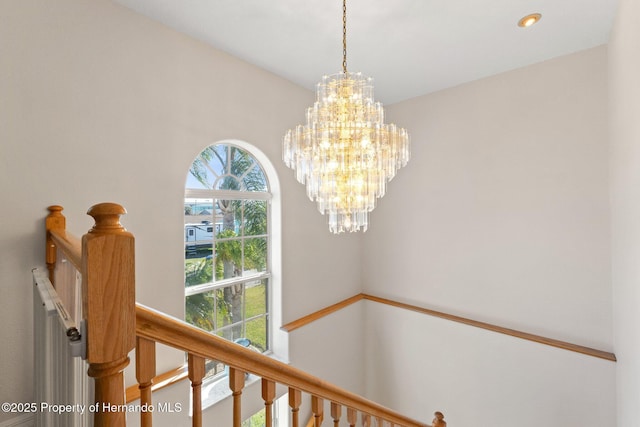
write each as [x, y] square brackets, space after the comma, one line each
[345, 153]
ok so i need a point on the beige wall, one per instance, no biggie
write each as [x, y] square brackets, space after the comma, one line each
[478, 377]
[490, 219]
[503, 212]
[100, 104]
[502, 216]
[624, 69]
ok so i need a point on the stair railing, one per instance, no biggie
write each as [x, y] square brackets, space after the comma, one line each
[155, 327]
[115, 325]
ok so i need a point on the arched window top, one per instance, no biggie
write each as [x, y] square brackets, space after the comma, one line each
[227, 167]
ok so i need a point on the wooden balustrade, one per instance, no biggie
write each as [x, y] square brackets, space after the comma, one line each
[268, 395]
[352, 417]
[196, 374]
[336, 412]
[145, 372]
[317, 409]
[169, 331]
[115, 325]
[295, 400]
[236, 384]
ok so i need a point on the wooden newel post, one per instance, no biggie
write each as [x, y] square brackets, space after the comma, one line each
[438, 420]
[54, 221]
[108, 304]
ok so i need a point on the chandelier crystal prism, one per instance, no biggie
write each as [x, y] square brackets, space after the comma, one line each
[345, 153]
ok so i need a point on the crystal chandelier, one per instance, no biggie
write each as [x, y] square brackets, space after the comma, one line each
[346, 154]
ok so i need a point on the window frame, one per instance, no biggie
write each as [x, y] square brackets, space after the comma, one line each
[264, 276]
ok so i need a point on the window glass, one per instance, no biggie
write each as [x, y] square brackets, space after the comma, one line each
[227, 246]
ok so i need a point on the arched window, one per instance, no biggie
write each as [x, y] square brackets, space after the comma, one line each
[228, 246]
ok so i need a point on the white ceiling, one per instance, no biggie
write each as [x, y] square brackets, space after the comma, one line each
[410, 47]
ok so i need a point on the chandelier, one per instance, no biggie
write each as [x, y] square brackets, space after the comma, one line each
[345, 154]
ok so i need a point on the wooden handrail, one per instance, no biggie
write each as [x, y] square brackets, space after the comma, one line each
[291, 326]
[57, 237]
[164, 329]
[506, 331]
[70, 246]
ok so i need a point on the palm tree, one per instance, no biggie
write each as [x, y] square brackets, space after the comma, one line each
[199, 306]
[226, 167]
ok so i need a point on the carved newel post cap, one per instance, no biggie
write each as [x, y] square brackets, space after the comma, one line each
[438, 421]
[107, 217]
[55, 209]
[55, 220]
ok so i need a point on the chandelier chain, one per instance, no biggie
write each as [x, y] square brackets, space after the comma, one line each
[344, 36]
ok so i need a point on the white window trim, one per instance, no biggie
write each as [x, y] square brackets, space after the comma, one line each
[205, 287]
[279, 339]
[200, 193]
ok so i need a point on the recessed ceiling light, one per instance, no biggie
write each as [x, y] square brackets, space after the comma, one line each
[529, 20]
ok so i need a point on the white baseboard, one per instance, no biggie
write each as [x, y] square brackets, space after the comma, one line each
[26, 420]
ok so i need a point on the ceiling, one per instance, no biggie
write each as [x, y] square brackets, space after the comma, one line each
[410, 47]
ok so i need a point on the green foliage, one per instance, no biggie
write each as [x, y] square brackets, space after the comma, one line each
[198, 307]
[198, 311]
[257, 420]
[255, 214]
[237, 168]
[228, 250]
[255, 254]
[256, 305]
[198, 272]
[228, 254]
[256, 332]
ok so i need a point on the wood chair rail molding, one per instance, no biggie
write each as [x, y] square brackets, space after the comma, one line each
[292, 326]
[296, 324]
[171, 377]
[161, 328]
